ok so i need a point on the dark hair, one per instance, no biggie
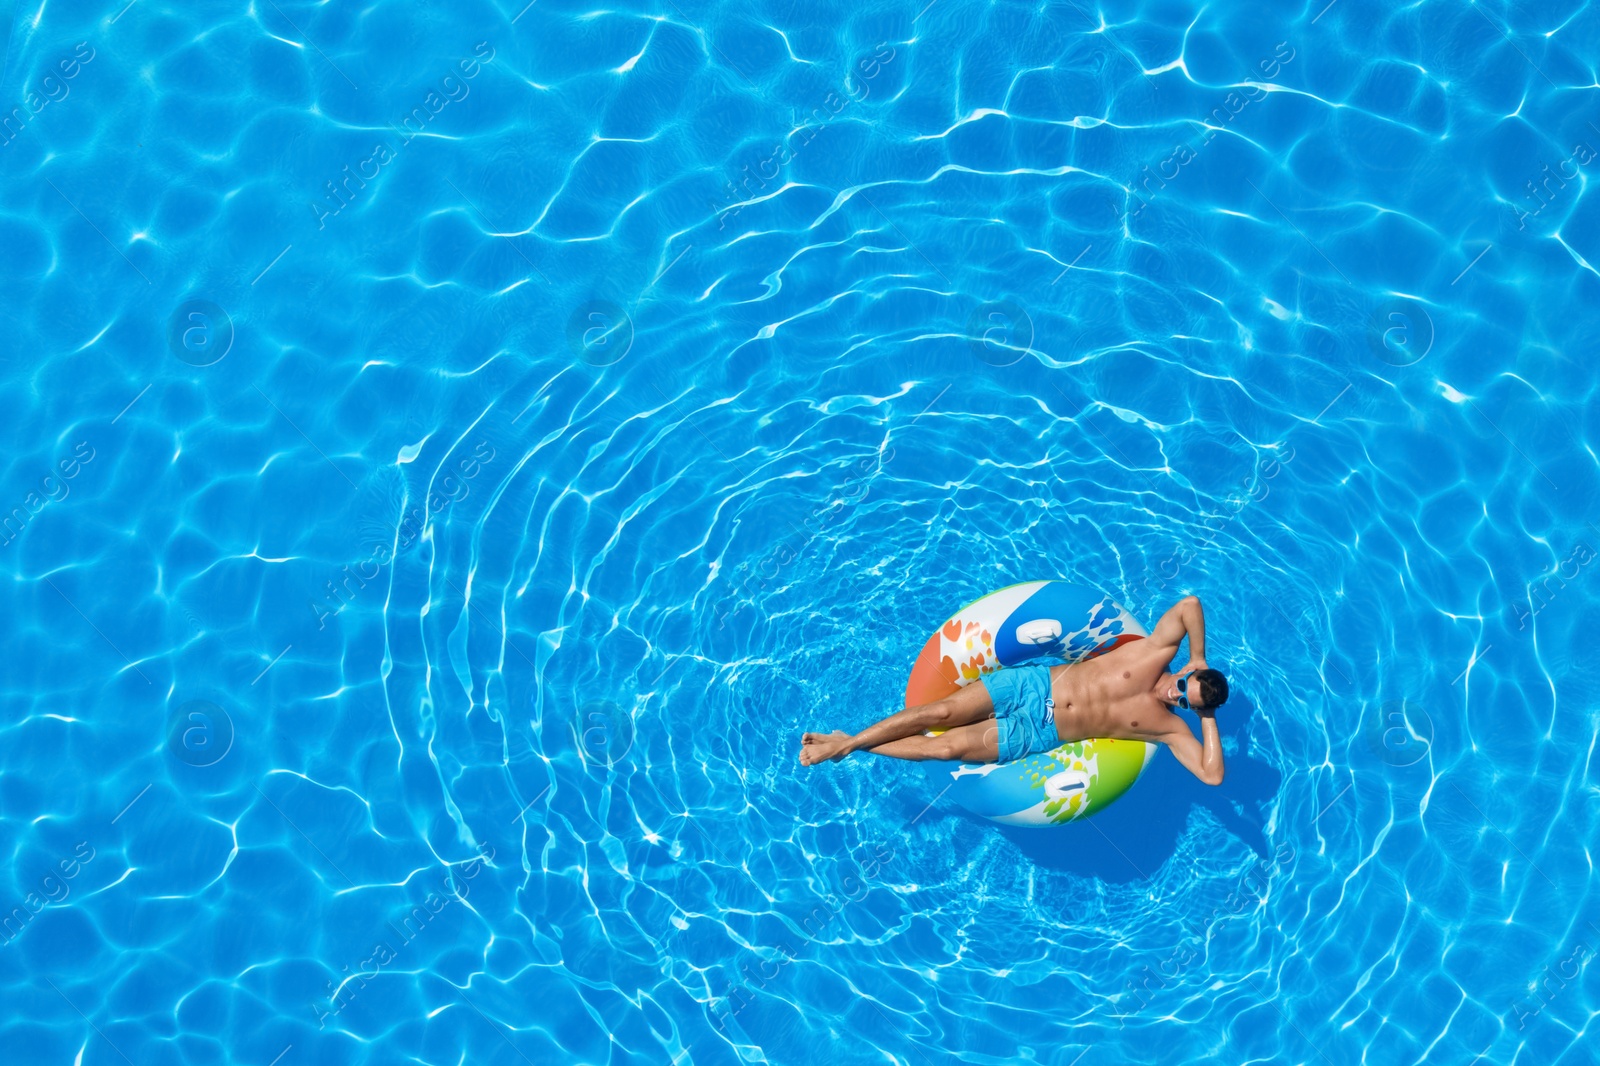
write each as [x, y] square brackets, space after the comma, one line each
[1213, 688]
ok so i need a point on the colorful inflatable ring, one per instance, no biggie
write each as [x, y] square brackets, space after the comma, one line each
[1032, 620]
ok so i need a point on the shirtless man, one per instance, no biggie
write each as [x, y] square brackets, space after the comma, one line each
[1022, 710]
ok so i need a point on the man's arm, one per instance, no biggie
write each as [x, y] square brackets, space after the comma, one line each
[1184, 618]
[1204, 762]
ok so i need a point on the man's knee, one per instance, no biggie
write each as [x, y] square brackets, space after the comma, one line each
[959, 748]
[938, 714]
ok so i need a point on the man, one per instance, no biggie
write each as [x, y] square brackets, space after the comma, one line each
[1126, 693]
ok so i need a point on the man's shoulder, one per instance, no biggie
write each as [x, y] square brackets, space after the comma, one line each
[1169, 729]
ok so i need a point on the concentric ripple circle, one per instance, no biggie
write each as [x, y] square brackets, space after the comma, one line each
[612, 394]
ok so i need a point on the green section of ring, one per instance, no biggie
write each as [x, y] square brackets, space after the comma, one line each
[1120, 763]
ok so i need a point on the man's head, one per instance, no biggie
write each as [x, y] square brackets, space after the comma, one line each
[1204, 690]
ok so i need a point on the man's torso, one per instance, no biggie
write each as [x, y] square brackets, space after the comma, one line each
[1111, 695]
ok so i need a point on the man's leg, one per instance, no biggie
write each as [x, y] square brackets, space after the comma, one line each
[969, 705]
[978, 742]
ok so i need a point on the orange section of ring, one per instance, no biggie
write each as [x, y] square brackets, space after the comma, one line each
[931, 678]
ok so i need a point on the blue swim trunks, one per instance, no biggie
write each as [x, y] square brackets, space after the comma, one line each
[1024, 713]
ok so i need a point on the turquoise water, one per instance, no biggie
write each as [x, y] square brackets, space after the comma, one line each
[453, 451]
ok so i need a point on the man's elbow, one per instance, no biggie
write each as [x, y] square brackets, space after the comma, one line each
[1211, 777]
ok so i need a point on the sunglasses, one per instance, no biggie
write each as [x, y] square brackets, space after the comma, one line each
[1183, 691]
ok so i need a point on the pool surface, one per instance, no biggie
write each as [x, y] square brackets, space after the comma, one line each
[452, 451]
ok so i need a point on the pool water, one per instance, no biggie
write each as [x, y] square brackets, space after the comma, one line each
[453, 452]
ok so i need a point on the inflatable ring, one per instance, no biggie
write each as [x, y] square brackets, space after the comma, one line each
[1036, 619]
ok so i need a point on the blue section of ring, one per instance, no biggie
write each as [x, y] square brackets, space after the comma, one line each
[1071, 605]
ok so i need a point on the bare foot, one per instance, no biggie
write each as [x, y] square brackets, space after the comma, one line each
[806, 742]
[819, 747]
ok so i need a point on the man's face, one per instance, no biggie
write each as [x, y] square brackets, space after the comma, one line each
[1184, 691]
